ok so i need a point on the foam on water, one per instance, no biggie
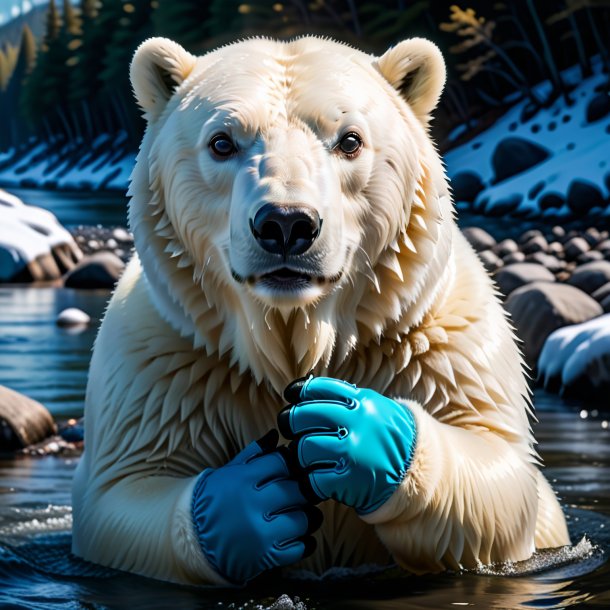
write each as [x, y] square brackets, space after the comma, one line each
[27, 523]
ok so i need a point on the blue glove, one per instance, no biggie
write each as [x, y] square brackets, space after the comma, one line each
[353, 445]
[250, 515]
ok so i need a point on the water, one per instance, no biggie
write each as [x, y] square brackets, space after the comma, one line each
[50, 364]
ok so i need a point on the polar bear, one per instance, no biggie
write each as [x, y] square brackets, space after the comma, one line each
[291, 216]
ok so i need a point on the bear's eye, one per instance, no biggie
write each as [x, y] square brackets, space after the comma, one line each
[222, 146]
[350, 144]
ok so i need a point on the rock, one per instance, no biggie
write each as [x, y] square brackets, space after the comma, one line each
[504, 205]
[584, 195]
[574, 247]
[590, 256]
[33, 245]
[605, 303]
[542, 307]
[513, 257]
[591, 276]
[601, 293]
[479, 239]
[593, 236]
[505, 247]
[556, 249]
[528, 235]
[515, 155]
[73, 317]
[23, 421]
[576, 360]
[122, 235]
[535, 244]
[598, 107]
[490, 261]
[558, 231]
[100, 270]
[112, 244]
[72, 431]
[553, 264]
[603, 246]
[550, 201]
[512, 277]
[466, 186]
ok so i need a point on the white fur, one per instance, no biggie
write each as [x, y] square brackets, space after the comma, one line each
[189, 364]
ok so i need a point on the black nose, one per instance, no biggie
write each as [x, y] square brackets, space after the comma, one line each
[285, 229]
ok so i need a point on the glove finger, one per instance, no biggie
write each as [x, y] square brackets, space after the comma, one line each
[279, 496]
[264, 445]
[287, 525]
[268, 468]
[326, 416]
[291, 552]
[320, 388]
[324, 451]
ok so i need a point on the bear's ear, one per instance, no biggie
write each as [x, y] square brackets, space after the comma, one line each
[158, 67]
[416, 68]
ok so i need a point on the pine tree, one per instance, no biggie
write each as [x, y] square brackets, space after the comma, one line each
[183, 21]
[25, 60]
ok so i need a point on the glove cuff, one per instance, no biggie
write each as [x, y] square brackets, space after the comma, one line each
[199, 505]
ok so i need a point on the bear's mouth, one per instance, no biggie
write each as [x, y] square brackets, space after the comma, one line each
[285, 279]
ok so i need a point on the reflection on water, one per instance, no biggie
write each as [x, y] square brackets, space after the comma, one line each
[39, 359]
[50, 364]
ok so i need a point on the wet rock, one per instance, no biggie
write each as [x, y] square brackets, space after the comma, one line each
[23, 421]
[598, 107]
[540, 308]
[591, 276]
[576, 360]
[574, 247]
[515, 155]
[479, 239]
[512, 277]
[466, 186]
[73, 317]
[100, 270]
[584, 195]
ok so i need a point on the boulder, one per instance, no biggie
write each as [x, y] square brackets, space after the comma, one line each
[23, 421]
[466, 186]
[528, 235]
[515, 155]
[576, 360]
[591, 276]
[553, 264]
[511, 277]
[535, 244]
[99, 270]
[504, 205]
[598, 107]
[33, 245]
[542, 307]
[589, 257]
[550, 201]
[479, 239]
[584, 195]
[513, 257]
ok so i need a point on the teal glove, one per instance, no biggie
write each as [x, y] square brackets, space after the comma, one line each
[352, 445]
[250, 515]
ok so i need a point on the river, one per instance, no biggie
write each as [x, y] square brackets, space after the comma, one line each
[50, 364]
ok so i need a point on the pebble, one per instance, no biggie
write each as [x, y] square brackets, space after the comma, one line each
[73, 317]
[121, 234]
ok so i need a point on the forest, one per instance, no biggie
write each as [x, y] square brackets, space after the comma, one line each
[66, 84]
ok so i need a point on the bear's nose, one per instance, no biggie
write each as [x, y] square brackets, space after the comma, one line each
[285, 229]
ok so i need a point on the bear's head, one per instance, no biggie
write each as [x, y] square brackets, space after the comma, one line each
[287, 202]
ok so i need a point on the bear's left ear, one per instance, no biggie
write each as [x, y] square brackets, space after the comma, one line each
[416, 68]
[158, 67]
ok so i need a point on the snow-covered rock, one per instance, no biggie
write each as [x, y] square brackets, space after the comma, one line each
[33, 245]
[551, 163]
[99, 270]
[73, 316]
[576, 360]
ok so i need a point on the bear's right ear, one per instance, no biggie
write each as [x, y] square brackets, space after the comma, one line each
[158, 67]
